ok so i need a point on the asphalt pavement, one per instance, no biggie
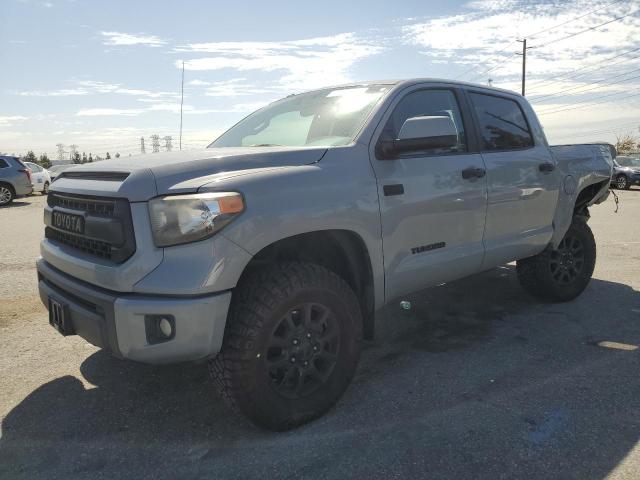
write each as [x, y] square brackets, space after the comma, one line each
[476, 381]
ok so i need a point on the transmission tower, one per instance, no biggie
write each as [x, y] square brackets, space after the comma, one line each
[142, 150]
[167, 143]
[155, 143]
[60, 148]
[72, 152]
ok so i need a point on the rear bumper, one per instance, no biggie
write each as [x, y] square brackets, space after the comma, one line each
[23, 188]
[116, 321]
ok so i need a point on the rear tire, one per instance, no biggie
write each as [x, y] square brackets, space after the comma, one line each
[6, 194]
[560, 275]
[622, 182]
[291, 347]
[45, 189]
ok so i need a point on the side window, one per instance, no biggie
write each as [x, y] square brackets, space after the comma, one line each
[428, 103]
[3, 163]
[502, 123]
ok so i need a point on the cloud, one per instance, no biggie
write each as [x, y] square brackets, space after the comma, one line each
[483, 38]
[104, 112]
[91, 87]
[302, 64]
[7, 121]
[121, 39]
[574, 61]
[65, 92]
[198, 83]
[236, 87]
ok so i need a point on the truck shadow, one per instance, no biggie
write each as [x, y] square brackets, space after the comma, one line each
[476, 380]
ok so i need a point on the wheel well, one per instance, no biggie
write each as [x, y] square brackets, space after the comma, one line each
[586, 195]
[13, 190]
[341, 251]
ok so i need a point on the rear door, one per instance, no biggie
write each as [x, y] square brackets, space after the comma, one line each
[432, 216]
[522, 180]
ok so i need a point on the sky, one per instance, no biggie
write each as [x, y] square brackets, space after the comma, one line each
[102, 74]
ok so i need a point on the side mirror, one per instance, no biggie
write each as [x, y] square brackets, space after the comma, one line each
[421, 133]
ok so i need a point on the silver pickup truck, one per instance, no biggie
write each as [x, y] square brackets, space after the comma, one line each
[269, 253]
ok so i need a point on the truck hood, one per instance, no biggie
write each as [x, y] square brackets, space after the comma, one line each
[141, 177]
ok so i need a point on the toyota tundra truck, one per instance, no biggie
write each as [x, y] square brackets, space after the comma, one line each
[269, 253]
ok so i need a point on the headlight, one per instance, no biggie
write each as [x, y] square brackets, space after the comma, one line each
[179, 219]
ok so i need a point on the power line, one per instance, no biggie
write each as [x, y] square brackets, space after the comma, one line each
[573, 19]
[514, 56]
[588, 29]
[497, 55]
[538, 97]
[571, 75]
[612, 129]
[584, 105]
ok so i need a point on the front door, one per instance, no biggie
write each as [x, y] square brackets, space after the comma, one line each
[433, 202]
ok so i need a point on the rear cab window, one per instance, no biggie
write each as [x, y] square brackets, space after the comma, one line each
[3, 163]
[503, 125]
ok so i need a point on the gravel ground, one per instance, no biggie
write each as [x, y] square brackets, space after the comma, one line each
[476, 381]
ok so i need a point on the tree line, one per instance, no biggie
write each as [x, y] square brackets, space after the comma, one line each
[45, 162]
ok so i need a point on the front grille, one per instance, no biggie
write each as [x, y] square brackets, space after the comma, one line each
[108, 227]
[83, 204]
[86, 245]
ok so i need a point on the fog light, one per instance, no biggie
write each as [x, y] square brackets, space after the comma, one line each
[165, 327]
[159, 328]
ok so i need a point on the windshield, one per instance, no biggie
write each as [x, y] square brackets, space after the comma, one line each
[321, 118]
[628, 161]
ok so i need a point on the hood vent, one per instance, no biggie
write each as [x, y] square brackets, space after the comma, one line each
[102, 176]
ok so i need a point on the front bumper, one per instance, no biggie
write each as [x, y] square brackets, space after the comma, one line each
[115, 321]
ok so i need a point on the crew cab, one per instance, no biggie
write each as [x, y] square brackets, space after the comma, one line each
[269, 253]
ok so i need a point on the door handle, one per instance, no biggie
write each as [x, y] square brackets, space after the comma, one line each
[473, 172]
[546, 167]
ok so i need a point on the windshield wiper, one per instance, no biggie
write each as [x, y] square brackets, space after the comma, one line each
[266, 145]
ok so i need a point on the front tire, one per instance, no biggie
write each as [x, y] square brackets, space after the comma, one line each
[622, 182]
[291, 346]
[560, 275]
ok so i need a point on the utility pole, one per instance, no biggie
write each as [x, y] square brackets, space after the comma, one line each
[524, 62]
[167, 143]
[142, 149]
[155, 143]
[181, 102]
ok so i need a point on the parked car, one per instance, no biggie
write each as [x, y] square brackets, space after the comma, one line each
[15, 179]
[269, 253]
[55, 170]
[626, 172]
[40, 178]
